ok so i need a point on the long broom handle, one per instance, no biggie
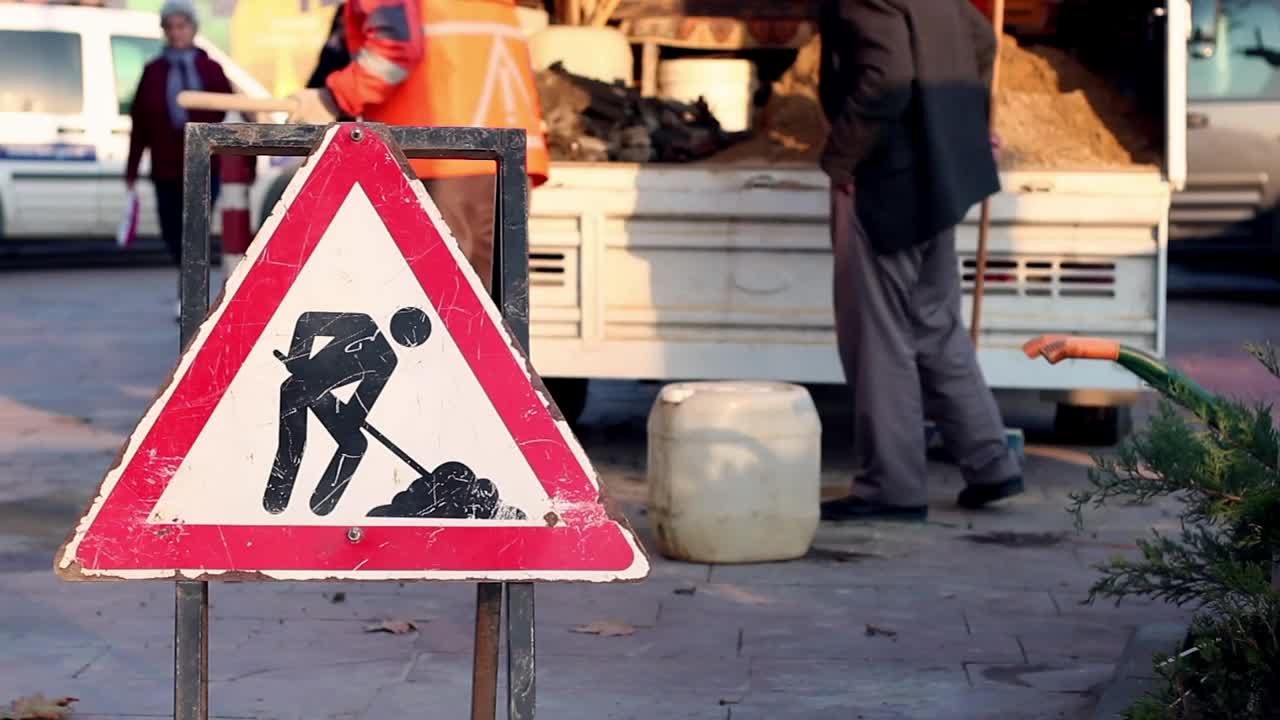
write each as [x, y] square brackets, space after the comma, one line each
[984, 221]
[232, 102]
[386, 441]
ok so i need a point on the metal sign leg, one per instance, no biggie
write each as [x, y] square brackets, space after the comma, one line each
[191, 601]
[484, 679]
[511, 293]
[520, 652]
[191, 651]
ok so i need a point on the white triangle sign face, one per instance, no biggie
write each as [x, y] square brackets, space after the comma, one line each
[353, 407]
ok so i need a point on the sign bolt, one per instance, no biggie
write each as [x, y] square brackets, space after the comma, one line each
[357, 134]
[355, 534]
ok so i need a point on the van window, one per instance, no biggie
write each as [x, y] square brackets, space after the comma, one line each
[129, 54]
[1236, 54]
[41, 72]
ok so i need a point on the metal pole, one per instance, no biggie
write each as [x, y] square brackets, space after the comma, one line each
[484, 678]
[511, 287]
[521, 691]
[191, 599]
[191, 651]
[984, 222]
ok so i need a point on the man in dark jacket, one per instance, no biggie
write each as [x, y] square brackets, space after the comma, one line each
[905, 85]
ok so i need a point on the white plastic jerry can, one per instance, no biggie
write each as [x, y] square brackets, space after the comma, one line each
[734, 471]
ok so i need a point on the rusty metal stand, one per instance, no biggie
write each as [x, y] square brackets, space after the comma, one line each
[511, 294]
[520, 651]
[484, 672]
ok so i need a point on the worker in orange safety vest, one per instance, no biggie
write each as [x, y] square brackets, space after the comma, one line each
[440, 63]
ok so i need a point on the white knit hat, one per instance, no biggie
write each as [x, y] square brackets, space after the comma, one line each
[179, 7]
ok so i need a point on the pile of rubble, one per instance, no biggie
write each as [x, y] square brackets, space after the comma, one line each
[592, 121]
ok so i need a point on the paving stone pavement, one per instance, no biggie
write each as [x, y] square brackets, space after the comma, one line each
[971, 615]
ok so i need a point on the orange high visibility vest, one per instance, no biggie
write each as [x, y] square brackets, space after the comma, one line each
[475, 72]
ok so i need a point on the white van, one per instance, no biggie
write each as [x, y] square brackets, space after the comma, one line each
[67, 78]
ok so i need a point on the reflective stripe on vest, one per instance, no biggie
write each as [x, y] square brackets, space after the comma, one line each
[473, 27]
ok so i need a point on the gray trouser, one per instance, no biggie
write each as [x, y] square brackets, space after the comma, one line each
[906, 352]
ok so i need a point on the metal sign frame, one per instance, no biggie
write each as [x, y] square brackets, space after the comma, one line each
[506, 147]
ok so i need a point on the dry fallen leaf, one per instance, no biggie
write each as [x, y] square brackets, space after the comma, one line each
[605, 628]
[395, 627]
[873, 631]
[38, 707]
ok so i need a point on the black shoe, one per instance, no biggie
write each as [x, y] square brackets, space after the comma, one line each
[976, 497]
[853, 508]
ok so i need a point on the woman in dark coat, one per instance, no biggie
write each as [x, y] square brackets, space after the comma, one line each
[158, 120]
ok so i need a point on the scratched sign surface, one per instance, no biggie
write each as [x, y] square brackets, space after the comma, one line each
[353, 407]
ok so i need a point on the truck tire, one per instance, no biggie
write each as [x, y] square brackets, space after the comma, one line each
[570, 395]
[1085, 425]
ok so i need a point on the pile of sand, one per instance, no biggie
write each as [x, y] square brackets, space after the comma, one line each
[1051, 113]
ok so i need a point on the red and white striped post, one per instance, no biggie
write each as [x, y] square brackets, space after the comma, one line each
[238, 173]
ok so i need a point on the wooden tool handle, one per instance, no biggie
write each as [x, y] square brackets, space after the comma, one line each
[227, 102]
[984, 220]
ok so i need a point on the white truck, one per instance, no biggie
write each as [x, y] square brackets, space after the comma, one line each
[704, 271]
[663, 273]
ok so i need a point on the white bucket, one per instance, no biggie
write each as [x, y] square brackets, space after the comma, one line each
[727, 86]
[532, 20]
[734, 471]
[602, 54]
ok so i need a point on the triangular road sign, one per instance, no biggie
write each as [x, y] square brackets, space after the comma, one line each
[353, 407]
